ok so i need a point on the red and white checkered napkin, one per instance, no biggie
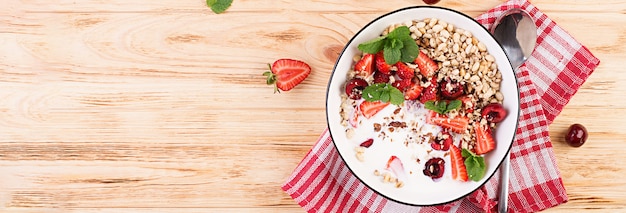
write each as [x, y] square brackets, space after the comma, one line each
[557, 68]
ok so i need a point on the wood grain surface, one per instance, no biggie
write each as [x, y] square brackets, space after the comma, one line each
[160, 106]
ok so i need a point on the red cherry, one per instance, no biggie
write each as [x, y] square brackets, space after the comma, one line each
[431, 1]
[355, 88]
[451, 89]
[494, 112]
[442, 142]
[576, 135]
[434, 168]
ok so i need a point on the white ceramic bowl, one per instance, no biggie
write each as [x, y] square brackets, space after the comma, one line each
[422, 193]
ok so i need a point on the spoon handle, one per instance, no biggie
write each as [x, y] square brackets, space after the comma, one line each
[503, 198]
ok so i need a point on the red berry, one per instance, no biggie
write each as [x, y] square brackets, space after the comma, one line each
[430, 92]
[380, 77]
[402, 84]
[576, 135]
[442, 142]
[355, 88]
[367, 143]
[451, 89]
[494, 112]
[381, 64]
[431, 1]
[404, 71]
[434, 168]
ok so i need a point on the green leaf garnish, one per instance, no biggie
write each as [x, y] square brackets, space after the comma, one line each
[442, 107]
[474, 164]
[397, 45]
[373, 46]
[219, 6]
[383, 92]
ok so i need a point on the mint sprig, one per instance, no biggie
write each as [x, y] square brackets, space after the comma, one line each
[442, 107]
[383, 92]
[219, 6]
[397, 45]
[474, 164]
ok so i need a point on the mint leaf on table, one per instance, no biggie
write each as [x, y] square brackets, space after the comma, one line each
[373, 46]
[219, 6]
[383, 92]
[474, 164]
[442, 107]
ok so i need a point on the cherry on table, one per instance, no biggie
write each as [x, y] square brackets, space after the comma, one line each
[431, 1]
[576, 135]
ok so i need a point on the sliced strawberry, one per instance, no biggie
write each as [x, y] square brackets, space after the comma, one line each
[369, 109]
[353, 118]
[364, 67]
[427, 66]
[380, 77]
[413, 91]
[367, 143]
[381, 65]
[468, 105]
[457, 124]
[484, 141]
[404, 71]
[395, 165]
[286, 74]
[402, 84]
[459, 172]
[430, 93]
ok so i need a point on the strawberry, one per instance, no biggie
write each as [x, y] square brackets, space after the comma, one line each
[459, 172]
[404, 71]
[413, 91]
[286, 74]
[468, 105]
[402, 84]
[380, 77]
[431, 92]
[457, 124]
[364, 66]
[369, 109]
[484, 140]
[427, 66]
[381, 64]
[395, 165]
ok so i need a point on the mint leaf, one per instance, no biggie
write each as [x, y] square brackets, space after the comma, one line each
[219, 6]
[396, 96]
[431, 105]
[442, 107]
[371, 93]
[410, 50]
[383, 92]
[399, 32]
[385, 96]
[474, 164]
[373, 46]
[454, 104]
[392, 56]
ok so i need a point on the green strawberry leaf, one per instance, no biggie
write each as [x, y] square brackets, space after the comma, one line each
[219, 6]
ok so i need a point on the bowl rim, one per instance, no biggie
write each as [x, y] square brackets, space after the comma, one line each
[510, 144]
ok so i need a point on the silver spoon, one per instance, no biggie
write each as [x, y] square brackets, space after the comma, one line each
[517, 33]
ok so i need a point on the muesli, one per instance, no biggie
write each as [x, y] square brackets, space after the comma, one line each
[429, 94]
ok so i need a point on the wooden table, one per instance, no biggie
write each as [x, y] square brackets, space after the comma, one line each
[160, 106]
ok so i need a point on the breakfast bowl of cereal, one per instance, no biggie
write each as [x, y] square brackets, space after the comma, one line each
[422, 105]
